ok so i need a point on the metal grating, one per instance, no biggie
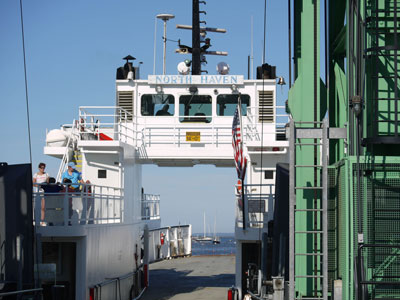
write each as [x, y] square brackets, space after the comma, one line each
[344, 256]
[125, 100]
[332, 226]
[380, 187]
[382, 58]
[266, 106]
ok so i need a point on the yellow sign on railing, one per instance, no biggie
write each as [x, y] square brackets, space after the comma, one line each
[192, 136]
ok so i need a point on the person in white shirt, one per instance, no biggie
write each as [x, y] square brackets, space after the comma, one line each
[38, 178]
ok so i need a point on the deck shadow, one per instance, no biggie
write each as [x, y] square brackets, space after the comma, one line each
[165, 283]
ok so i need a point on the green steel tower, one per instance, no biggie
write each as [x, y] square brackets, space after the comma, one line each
[345, 150]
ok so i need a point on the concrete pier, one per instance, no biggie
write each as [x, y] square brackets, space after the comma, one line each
[194, 278]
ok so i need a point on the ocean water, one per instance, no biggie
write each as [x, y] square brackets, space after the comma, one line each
[226, 247]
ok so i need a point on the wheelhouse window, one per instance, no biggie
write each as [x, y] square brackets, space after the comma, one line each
[226, 104]
[157, 105]
[195, 108]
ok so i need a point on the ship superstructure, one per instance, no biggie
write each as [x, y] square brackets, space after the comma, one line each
[168, 120]
[95, 233]
[196, 128]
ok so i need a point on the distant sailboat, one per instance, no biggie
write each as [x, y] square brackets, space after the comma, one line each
[205, 238]
[216, 239]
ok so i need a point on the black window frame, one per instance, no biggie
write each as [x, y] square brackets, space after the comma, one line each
[102, 173]
[170, 100]
[245, 99]
[270, 172]
[198, 117]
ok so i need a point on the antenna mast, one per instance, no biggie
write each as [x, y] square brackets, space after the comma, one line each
[198, 34]
[196, 63]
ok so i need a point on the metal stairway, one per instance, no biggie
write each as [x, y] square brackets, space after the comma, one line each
[382, 56]
[378, 257]
[71, 145]
[77, 159]
[309, 265]
[379, 254]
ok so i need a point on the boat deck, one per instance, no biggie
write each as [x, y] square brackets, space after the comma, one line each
[196, 277]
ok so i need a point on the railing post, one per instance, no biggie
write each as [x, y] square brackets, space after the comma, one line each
[101, 204]
[120, 204]
[66, 206]
[150, 137]
[107, 206]
[245, 206]
[174, 129]
[126, 130]
[84, 214]
[216, 137]
[114, 204]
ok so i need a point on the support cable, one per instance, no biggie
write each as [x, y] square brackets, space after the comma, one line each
[262, 121]
[26, 83]
[326, 45]
[290, 43]
[29, 130]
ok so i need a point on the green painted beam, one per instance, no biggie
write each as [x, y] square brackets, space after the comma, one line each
[307, 103]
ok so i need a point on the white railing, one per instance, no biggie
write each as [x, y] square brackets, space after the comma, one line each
[150, 207]
[169, 242]
[216, 137]
[258, 205]
[179, 134]
[86, 204]
[115, 123]
[105, 123]
[121, 287]
[251, 124]
[70, 142]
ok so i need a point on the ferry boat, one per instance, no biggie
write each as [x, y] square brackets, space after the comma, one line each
[168, 120]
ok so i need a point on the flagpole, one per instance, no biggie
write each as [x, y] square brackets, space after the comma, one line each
[240, 119]
[241, 146]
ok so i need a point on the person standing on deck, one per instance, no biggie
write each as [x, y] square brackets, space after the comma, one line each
[72, 174]
[39, 178]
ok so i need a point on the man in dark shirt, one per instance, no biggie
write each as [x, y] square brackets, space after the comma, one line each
[163, 111]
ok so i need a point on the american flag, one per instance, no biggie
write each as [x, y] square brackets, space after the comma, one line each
[240, 160]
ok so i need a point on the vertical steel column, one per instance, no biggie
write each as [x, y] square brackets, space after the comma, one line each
[375, 41]
[324, 206]
[396, 77]
[290, 42]
[350, 70]
[292, 202]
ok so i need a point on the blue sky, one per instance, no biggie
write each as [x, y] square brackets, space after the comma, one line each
[72, 51]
